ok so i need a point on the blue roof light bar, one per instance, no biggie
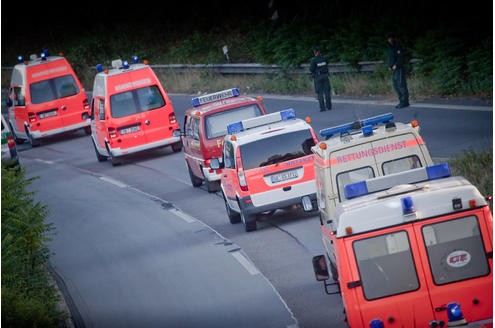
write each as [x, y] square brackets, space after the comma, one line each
[361, 188]
[347, 127]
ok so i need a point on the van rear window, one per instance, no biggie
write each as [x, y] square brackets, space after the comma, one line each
[277, 149]
[216, 124]
[136, 101]
[455, 250]
[378, 261]
[51, 89]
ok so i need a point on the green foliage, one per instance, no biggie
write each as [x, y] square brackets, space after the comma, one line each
[475, 167]
[28, 299]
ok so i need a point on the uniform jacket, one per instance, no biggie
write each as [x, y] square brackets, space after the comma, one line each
[395, 56]
[319, 67]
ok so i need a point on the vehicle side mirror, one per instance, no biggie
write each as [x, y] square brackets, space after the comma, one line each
[320, 268]
[215, 164]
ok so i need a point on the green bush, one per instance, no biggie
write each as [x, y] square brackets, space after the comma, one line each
[28, 297]
[475, 167]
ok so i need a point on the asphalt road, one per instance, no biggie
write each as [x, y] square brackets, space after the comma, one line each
[136, 245]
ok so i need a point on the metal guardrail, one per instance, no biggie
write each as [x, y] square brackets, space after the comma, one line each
[268, 69]
[364, 66]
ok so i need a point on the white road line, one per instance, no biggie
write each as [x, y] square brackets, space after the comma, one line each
[44, 161]
[182, 215]
[245, 263]
[113, 181]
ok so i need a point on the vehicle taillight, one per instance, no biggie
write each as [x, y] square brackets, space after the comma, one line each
[242, 180]
[86, 104]
[112, 133]
[171, 118]
[32, 117]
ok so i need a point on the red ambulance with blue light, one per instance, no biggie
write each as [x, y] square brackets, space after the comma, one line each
[205, 126]
[267, 165]
[45, 99]
[413, 249]
[408, 245]
[131, 112]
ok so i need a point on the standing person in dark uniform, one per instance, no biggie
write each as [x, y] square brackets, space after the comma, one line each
[396, 65]
[319, 70]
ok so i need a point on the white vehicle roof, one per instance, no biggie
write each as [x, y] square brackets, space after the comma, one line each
[406, 203]
[268, 125]
[100, 82]
[345, 135]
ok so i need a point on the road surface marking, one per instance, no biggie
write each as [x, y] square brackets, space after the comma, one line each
[245, 263]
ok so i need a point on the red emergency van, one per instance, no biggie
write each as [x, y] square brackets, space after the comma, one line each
[267, 165]
[205, 125]
[46, 98]
[131, 112]
[412, 249]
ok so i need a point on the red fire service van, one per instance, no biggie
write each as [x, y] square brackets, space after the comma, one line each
[412, 249]
[267, 165]
[205, 125]
[46, 98]
[131, 112]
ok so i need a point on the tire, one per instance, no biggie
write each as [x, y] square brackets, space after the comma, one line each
[100, 157]
[249, 221]
[212, 186]
[32, 141]
[195, 181]
[116, 161]
[234, 217]
[177, 147]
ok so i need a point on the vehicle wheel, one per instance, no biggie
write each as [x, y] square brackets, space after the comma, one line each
[196, 182]
[212, 186]
[234, 217]
[32, 141]
[100, 157]
[177, 147]
[87, 130]
[249, 221]
[116, 161]
[17, 140]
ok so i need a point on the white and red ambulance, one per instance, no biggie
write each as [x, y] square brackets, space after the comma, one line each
[205, 126]
[267, 165]
[131, 112]
[411, 249]
[46, 98]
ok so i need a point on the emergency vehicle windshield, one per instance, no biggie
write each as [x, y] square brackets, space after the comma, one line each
[136, 101]
[216, 124]
[277, 149]
[51, 89]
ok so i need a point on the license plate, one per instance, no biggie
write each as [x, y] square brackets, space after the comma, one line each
[48, 114]
[283, 176]
[130, 129]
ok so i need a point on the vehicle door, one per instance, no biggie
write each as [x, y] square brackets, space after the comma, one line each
[387, 279]
[17, 112]
[229, 179]
[99, 123]
[192, 144]
[456, 252]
